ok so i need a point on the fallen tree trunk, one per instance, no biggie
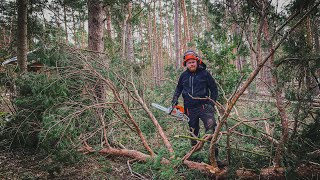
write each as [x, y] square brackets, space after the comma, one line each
[203, 167]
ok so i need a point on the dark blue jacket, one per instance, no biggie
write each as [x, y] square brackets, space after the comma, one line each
[199, 84]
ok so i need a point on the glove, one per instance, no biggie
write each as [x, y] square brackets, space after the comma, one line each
[174, 101]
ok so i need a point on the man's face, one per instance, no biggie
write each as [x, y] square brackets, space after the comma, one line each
[192, 65]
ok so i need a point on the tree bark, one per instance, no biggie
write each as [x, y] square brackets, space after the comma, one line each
[65, 23]
[83, 42]
[144, 157]
[129, 47]
[169, 38]
[22, 46]
[95, 23]
[316, 34]
[11, 30]
[124, 30]
[96, 44]
[150, 49]
[75, 37]
[156, 48]
[185, 23]
[176, 34]
[309, 33]
[267, 69]
[108, 14]
[161, 60]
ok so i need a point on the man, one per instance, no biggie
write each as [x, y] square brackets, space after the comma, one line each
[195, 83]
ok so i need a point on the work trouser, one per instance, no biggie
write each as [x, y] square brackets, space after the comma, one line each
[206, 114]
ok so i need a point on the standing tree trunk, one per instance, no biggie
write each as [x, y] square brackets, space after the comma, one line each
[57, 19]
[176, 33]
[95, 23]
[124, 30]
[108, 18]
[83, 35]
[185, 23]
[130, 51]
[96, 44]
[95, 40]
[150, 50]
[11, 30]
[156, 47]
[22, 46]
[309, 33]
[75, 38]
[65, 23]
[267, 69]
[2, 40]
[316, 35]
[160, 59]
[169, 38]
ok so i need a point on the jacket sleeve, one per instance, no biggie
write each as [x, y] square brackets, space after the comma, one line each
[179, 89]
[212, 87]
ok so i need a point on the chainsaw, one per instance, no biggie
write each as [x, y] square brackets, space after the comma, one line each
[176, 111]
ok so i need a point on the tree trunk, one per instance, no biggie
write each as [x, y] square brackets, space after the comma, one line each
[75, 38]
[57, 18]
[108, 14]
[44, 21]
[192, 25]
[182, 37]
[309, 33]
[150, 49]
[96, 44]
[124, 30]
[130, 50]
[267, 69]
[206, 19]
[186, 24]
[169, 38]
[11, 30]
[65, 23]
[176, 33]
[95, 39]
[95, 23]
[22, 46]
[160, 59]
[156, 48]
[2, 40]
[316, 34]
[83, 41]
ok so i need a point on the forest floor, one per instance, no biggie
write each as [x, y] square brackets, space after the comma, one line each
[29, 164]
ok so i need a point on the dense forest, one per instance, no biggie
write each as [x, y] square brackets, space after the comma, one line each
[77, 80]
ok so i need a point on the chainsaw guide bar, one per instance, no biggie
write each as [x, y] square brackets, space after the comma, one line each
[176, 111]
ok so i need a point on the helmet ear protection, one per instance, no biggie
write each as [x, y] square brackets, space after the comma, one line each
[190, 54]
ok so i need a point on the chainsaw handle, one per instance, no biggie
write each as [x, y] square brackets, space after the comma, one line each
[172, 107]
[177, 107]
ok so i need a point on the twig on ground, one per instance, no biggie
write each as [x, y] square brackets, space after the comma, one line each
[134, 173]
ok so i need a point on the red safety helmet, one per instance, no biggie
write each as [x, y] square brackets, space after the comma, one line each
[190, 54]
